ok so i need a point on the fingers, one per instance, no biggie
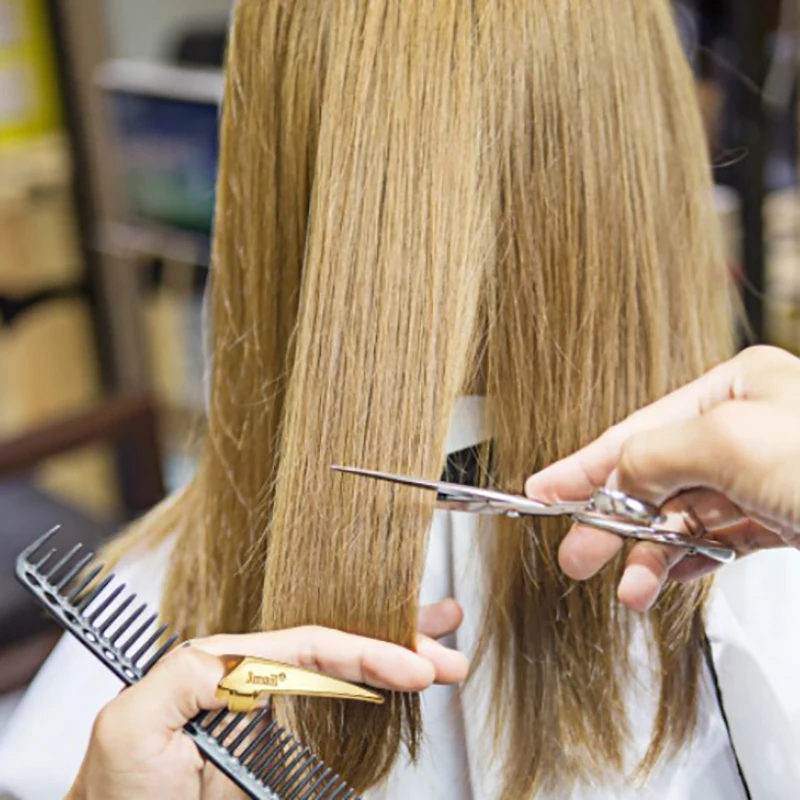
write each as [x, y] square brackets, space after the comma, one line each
[578, 475]
[440, 619]
[450, 665]
[646, 571]
[657, 464]
[575, 476]
[180, 686]
[700, 435]
[699, 512]
[584, 551]
[183, 683]
[748, 375]
[343, 655]
[693, 568]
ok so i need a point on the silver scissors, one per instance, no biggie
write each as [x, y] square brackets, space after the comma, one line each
[606, 510]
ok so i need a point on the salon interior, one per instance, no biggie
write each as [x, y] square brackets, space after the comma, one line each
[109, 113]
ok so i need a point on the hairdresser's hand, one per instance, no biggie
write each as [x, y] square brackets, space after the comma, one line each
[722, 453]
[138, 751]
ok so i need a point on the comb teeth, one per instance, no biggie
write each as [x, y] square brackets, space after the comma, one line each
[149, 643]
[343, 787]
[245, 756]
[229, 728]
[137, 634]
[160, 652]
[339, 791]
[281, 769]
[92, 596]
[273, 766]
[53, 571]
[45, 558]
[243, 734]
[45, 537]
[209, 729]
[272, 747]
[106, 603]
[333, 787]
[90, 576]
[116, 613]
[126, 623]
[74, 571]
[313, 781]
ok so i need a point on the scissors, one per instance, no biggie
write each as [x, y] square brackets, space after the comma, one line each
[607, 510]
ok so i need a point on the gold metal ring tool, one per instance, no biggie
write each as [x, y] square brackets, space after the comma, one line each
[247, 679]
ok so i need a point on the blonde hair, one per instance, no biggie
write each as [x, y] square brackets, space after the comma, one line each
[409, 190]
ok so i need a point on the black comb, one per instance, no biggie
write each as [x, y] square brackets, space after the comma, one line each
[264, 759]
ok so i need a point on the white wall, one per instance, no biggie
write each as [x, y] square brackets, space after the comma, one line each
[145, 29]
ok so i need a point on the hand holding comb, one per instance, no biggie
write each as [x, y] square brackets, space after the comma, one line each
[252, 749]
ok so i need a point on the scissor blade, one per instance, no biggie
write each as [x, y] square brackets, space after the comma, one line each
[461, 497]
[420, 483]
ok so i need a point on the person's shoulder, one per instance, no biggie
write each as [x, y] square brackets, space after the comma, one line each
[755, 610]
[764, 587]
[43, 745]
[753, 622]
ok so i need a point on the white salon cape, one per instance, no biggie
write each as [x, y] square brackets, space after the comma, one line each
[753, 625]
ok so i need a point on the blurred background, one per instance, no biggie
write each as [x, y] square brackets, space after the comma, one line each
[108, 148]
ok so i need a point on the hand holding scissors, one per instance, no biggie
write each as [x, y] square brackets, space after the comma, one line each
[723, 451]
[605, 509]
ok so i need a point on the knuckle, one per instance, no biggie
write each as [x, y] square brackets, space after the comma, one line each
[724, 425]
[186, 663]
[308, 655]
[311, 632]
[633, 460]
[614, 438]
[758, 358]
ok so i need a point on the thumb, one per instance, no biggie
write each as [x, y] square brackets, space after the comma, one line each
[700, 452]
[178, 688]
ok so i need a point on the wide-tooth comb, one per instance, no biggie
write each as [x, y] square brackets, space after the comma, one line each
[253, 750]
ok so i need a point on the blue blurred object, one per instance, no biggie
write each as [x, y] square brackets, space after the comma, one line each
[165, 122]
[169, 151]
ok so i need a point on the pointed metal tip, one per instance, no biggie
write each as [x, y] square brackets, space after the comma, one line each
[359, 471]
[368, 473]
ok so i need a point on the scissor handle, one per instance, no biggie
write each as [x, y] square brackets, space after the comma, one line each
[646, 533]
[615, 503]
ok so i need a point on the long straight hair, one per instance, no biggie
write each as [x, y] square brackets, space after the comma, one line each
[414, 195]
